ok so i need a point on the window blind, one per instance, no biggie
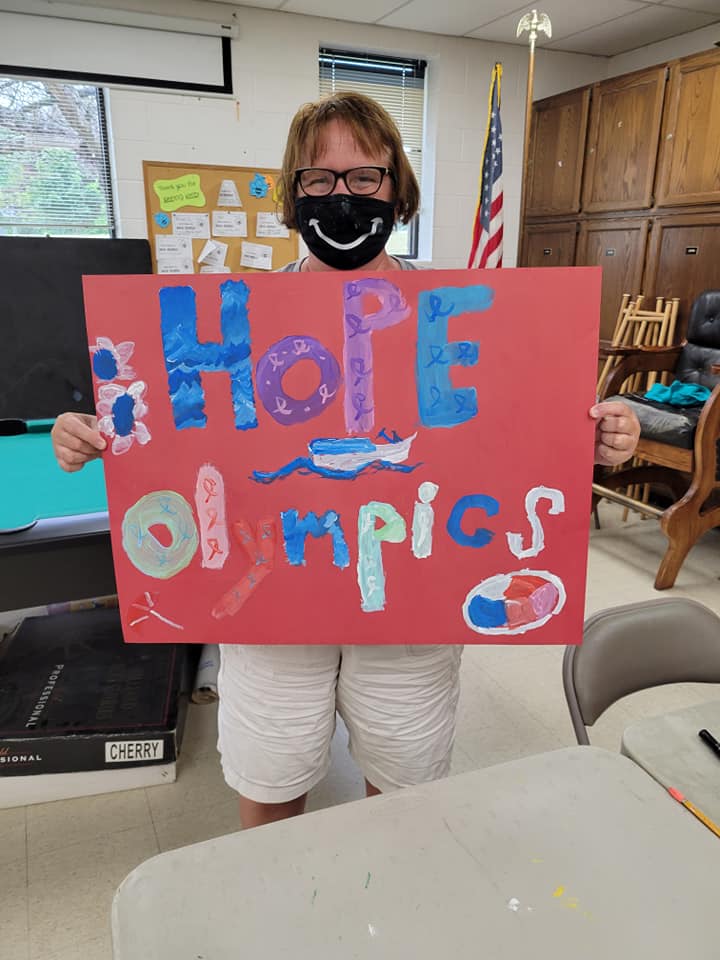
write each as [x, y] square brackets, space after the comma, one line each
[397, 83]
[54, 159]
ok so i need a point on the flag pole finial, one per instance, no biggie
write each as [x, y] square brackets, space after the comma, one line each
[535, 23]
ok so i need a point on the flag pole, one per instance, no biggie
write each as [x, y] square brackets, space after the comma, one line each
[534, 23]
[492, 173]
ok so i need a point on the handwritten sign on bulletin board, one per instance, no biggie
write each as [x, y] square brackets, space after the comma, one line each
[214, 219]
[392, 458]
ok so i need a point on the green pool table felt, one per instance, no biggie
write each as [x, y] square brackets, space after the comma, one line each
[33, 487]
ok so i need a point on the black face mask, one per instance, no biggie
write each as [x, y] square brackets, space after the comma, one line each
[345, 231]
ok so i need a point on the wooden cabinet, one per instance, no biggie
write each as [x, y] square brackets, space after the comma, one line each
[649, 208]
[549, 245]
[683, 259]
[689, 168]
[625, 120]
[618, 246]
[555, 157]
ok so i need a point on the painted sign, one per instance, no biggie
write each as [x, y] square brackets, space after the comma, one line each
[403, 457]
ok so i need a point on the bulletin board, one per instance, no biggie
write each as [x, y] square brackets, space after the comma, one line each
[203, 218]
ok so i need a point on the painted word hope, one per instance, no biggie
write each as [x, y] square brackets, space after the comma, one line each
[168, 509]
[439, 403]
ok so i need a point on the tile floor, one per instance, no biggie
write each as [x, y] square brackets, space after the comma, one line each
[61, 862]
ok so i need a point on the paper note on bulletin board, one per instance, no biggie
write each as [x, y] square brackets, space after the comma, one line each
[215, 219]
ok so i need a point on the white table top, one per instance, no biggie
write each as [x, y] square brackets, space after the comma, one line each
[669, 749]
[572, 854]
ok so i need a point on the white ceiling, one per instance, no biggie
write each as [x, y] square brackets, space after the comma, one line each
[602, 28]
[599, 27]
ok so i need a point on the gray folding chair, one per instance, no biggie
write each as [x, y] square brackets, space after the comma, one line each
[637, 646]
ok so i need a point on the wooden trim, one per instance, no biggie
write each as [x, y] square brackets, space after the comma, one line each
[665, 455]
[642, 360]
[559, 219]
[706, 437]
[606, 493]
[605, 215]
[686, 200]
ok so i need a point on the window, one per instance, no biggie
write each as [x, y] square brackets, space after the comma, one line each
[399, 85]
[54, 160]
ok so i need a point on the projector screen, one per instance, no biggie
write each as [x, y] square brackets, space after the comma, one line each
[110, 54]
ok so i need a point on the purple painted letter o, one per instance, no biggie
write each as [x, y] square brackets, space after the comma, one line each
[275, 363]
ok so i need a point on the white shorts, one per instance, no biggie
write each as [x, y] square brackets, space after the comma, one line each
[277, 714]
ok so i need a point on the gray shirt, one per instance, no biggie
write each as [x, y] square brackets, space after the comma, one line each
[295, 265]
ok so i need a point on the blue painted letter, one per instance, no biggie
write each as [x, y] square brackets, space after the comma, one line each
[441, 405]
[481, 537]
[186, 358]
[295, 530]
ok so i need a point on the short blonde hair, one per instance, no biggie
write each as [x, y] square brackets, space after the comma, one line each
[374, 131]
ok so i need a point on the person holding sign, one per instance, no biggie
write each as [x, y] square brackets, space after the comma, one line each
[345, 182]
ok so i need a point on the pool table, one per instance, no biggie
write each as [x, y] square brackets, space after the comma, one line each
[54, 531]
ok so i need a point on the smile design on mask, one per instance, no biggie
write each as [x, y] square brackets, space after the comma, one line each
[345, 232]
[376, 225]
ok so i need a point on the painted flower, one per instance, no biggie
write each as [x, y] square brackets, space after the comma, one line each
[120, 412]
[259, 186]
[110, 362]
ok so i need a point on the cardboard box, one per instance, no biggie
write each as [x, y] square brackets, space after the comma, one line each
[82, 712]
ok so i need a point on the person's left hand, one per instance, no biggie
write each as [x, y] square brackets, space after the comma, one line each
[617, 432]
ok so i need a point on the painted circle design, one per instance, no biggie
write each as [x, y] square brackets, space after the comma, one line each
[123, 414]
[161, 508]
[282, 357]
[104, 365]
[512, 603]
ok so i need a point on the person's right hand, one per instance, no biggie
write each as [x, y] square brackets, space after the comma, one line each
[76, 439]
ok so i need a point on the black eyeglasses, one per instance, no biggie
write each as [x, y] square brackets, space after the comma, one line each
[360, 181]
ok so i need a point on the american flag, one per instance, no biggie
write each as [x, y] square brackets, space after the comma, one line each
[487, 241]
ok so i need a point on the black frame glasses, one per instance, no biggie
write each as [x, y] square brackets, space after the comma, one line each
[342, 175]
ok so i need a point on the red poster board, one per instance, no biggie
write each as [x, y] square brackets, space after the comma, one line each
[321, 458]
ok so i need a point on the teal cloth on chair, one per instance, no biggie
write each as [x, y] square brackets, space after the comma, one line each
[679, 394]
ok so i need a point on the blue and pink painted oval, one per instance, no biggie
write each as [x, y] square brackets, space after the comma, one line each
[512, 603]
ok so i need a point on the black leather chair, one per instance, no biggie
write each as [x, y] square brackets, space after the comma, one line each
[678, 444]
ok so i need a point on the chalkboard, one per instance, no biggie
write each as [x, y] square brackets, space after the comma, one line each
[44, 359]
